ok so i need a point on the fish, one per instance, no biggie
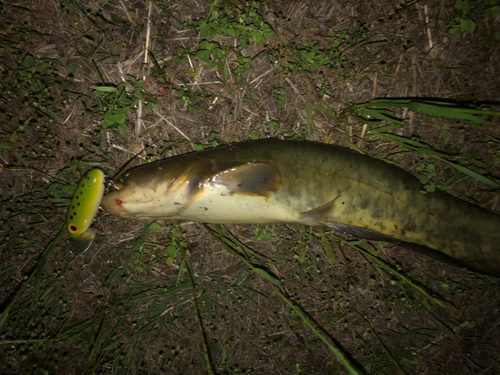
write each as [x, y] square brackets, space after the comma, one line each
[298, 182]
[83, 209]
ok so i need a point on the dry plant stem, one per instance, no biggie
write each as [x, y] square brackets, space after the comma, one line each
[118, 147]
[263, 75]
[37, 271]
[124, 8]
[199, 83]
[429, 35]
[295, 89]
[75, 107]
[275, 285]
[363, 131]
[122, 75]
[138, 122]
[175, 127]
[209, 366]
[151, 127]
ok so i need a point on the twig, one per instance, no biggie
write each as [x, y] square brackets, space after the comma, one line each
[126, 150]
[429, 35]
[264, 74]
[146, 49]
[125, 10]
[175, 127]
[363, 131]
[198, 83]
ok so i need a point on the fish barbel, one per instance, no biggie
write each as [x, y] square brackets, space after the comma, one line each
[273, 181]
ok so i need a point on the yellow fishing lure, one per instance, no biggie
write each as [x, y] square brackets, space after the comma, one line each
[82, 210]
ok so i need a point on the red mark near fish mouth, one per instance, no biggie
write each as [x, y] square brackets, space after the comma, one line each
[118, 202]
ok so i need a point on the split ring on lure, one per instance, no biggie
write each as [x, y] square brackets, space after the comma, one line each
[82, 210]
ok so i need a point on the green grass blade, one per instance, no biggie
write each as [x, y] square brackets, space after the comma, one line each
[246, 296]
[94, 354]
[393, 272]
[37, 271]
[3, 317]
[384, 116]
[423, 149]
[326, 246]
[247, 280]
[117, 272]
[231, 248]
[266, 276]
[427, 107]
[473, 174]
[204, 344]
[179, 272]
[443, 111]
[384, 348]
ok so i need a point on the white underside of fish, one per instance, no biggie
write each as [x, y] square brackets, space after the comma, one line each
[213, 205]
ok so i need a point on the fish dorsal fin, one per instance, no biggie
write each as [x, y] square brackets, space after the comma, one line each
[252, 179]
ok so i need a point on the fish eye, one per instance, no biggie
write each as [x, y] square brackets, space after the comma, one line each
[73, 228]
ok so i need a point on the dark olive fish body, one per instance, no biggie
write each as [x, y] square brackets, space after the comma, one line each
[274, 181]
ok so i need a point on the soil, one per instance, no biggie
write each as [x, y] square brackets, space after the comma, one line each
[126, 305]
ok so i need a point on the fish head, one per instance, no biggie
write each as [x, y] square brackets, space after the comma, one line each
[156, 191]
[114, 200]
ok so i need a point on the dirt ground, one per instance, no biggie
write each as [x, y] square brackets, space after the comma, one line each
[221, 72]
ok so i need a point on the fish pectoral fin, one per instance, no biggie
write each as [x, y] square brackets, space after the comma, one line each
[185, 186]
[319, 215]
[253, 179]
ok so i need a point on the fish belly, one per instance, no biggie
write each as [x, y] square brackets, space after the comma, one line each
[221, 206]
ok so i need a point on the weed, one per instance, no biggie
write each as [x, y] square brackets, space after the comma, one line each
[113, 104]
[241, 22]
[466, 14]
[376, 112]
[261, 234]
[188, 99]
[30, 89]
[306, 59]
[313, 57]
[234, 246]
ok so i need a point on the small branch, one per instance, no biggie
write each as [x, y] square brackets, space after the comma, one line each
[175, 127]
[146, 49]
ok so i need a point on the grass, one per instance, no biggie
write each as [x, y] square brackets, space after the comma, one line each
[185, 298]
[113, 104]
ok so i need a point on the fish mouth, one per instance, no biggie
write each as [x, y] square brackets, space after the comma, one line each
[125, 202]
[113, 203]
